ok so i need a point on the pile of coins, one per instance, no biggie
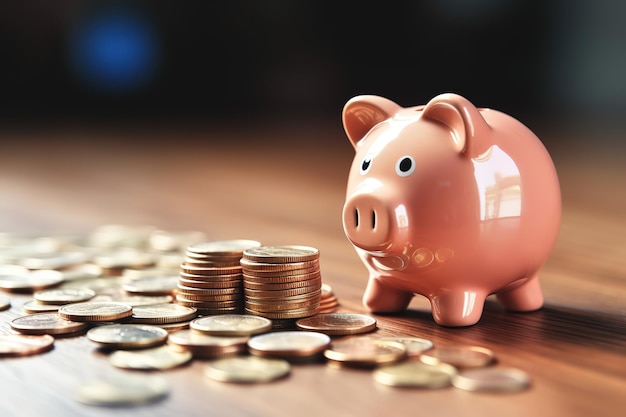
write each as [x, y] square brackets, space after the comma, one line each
[210, 277]
[282, 282]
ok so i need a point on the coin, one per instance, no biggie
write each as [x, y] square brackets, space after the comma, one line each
[95, 311]
[127, 336]
[256, 266]
[12, 345]
[459, 356]
[46, 323]
[162, 314]
[161, 357]
[415, 374]
[288, 344]
[183, 282]
[492, 379]
[122, 389]
[141, 300]
[34, 306]
[5, 303]
[207, 346]
[414, 345]
[152, 285]
[365, 352]
[32, 281]
[248, 369]
[335, 324]
[232, 325]
[54, 260]
[223, 247]
[64, 295]
[281, 254]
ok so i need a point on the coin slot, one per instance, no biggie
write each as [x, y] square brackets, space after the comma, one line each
[373, 219]
[356, 217]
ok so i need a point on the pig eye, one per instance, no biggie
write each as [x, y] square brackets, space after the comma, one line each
[405, 166]
[366, 165]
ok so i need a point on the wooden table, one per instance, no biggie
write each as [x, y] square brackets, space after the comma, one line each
[286, 186]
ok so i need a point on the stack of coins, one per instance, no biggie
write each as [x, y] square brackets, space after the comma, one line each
[282, 282]
[210, 277]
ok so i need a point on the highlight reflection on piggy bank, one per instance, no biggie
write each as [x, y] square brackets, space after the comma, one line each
[451, 202]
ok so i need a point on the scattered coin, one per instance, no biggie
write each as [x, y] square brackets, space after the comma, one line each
[47, 323]
[54, 260]
[34, 306]
[24, 345]
[64, 295]
[415, 374]
[161, 357]
[162, 314]
[207, 346]
[127, 336]
[365, 352]
[81, 271]
[492, 379]
[232, 325]
[247, 369]
[122, 389]
[289, 344]
[459, 356]
[95, 311]
[414, 345]
[5, 303]
[31, 281]
[335, 324]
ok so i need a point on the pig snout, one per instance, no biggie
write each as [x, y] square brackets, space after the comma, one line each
[366, 222]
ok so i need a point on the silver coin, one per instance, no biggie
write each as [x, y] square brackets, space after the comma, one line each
[125, 336]
[31, 281]
[232, 325]
[414, 345]
[492, 379]
[288, 344]
[459, 356]
[415, 374]
[64, 295]
[161, 357]
[247, 369]
[122, 389]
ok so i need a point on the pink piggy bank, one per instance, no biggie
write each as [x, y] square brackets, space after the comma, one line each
[451, 202]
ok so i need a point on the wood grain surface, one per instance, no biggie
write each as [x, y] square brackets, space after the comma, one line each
[286, 186]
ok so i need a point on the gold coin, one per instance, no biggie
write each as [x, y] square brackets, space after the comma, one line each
[288, 267]
[212, 277]
[311, 296]
[415, 374]
[365, 352]
[414, 345]
[162, 314]
[288, 344]
[281, 254]
[274, 279]
[122, 389]
[336, 324]
[232, 325]
[208, 291]
[161, 357]
[247, 369]
[64, 295]
[34, 306]
[206, 346]
[127, 336]
[12, 345]
[459, 356]
[161, 285]
[95, 311]
[290, 292]
[224, 247]
[5, 303]
[32, 281]
[492, 379]
[46, 323]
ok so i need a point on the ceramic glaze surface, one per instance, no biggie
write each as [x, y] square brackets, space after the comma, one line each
[451, 202]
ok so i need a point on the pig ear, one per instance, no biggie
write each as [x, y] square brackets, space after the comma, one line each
[362, 113]
[469, 129]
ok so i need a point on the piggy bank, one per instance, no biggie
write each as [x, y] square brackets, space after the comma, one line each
[451, 202]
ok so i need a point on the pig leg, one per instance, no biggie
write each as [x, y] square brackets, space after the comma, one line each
[524, 297]
[381, 298]
[457, 308]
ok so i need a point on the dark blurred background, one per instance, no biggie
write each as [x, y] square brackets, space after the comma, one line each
[556, 63]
